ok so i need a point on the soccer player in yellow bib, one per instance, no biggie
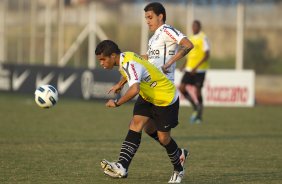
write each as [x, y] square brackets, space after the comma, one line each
[165, 47]
[156, 92]
[195, 70]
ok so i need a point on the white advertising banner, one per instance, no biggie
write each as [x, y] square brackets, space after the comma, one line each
[225, 88]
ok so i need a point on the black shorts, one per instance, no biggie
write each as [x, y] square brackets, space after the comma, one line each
[165, 117]
[197, 79]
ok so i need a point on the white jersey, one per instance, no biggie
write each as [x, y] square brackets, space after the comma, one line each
[162, 46]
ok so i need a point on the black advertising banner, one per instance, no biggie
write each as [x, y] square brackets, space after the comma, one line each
[71, 82]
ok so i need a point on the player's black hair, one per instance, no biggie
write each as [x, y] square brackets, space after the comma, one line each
[157, 8]
[107, 47]
[198, 23]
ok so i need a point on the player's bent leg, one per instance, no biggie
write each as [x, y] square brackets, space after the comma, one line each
[150, 127]
[138, 122]
[128, 149]
[175, 154]
[164, 137]
[177, 176]
[200, 106]
[151, 130]
[182, 88]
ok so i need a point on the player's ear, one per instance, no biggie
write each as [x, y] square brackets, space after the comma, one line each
[161, 17]
[113, 56]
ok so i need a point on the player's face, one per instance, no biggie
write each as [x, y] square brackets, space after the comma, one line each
[154, 21]
[107, 62]
[195, 28]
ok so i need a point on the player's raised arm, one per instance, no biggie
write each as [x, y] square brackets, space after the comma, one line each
[185, 45]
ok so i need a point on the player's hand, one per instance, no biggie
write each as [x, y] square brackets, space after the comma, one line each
[165, 69]
[111, 103]
[193, 72]
[115, 89]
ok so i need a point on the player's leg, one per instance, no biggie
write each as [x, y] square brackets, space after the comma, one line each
[200, 77]
[166, 118]
[192, 91]
[128, 149]
[151, 130]
[172, 149]
[187, 80]
[141, 116]
[131, 142]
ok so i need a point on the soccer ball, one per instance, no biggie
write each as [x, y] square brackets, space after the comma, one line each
[46, 96]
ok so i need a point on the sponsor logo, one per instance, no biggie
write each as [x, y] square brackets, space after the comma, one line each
[4, 79]
[157, 37]
[63, 85]
[126, 70]
[169, 34]
[154, 52]
[87, 80]
[230, 94]
[44, 80]
[18, 80]
[134, 71]
[171, 52]
[166, 126]
[147, 79]
[153, 84]
[94, 89]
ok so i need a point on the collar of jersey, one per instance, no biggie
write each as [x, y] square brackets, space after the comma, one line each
[161, 27]
[121, 58]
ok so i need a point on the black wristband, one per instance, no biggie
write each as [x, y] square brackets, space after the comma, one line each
[115, 102]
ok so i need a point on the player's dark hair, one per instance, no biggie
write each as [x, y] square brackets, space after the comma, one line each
[198, 23]
[157, 8]
[107, 47]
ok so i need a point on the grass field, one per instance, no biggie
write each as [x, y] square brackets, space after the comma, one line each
[66, 143]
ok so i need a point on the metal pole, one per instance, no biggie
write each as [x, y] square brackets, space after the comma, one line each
[240, 35]
[2, 30]
[33, 24]
[75, 45]
[190, 17]
[92, 36]
[100, 33]
[48, 34]
[144, 34]
[61, 30]
[20, 32]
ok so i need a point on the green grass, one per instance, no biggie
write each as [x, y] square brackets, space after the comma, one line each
[66, 143]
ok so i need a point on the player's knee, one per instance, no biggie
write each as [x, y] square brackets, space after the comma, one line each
[149, 128]
[136, 126]
[182, 88]
[164, 139]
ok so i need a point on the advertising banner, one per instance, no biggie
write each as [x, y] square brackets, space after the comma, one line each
[71, 82]
[221, 87]
[226, 88]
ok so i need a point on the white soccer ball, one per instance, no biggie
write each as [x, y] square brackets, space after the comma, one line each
[46, 96]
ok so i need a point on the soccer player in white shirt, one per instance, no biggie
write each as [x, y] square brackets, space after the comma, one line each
[166, 46]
